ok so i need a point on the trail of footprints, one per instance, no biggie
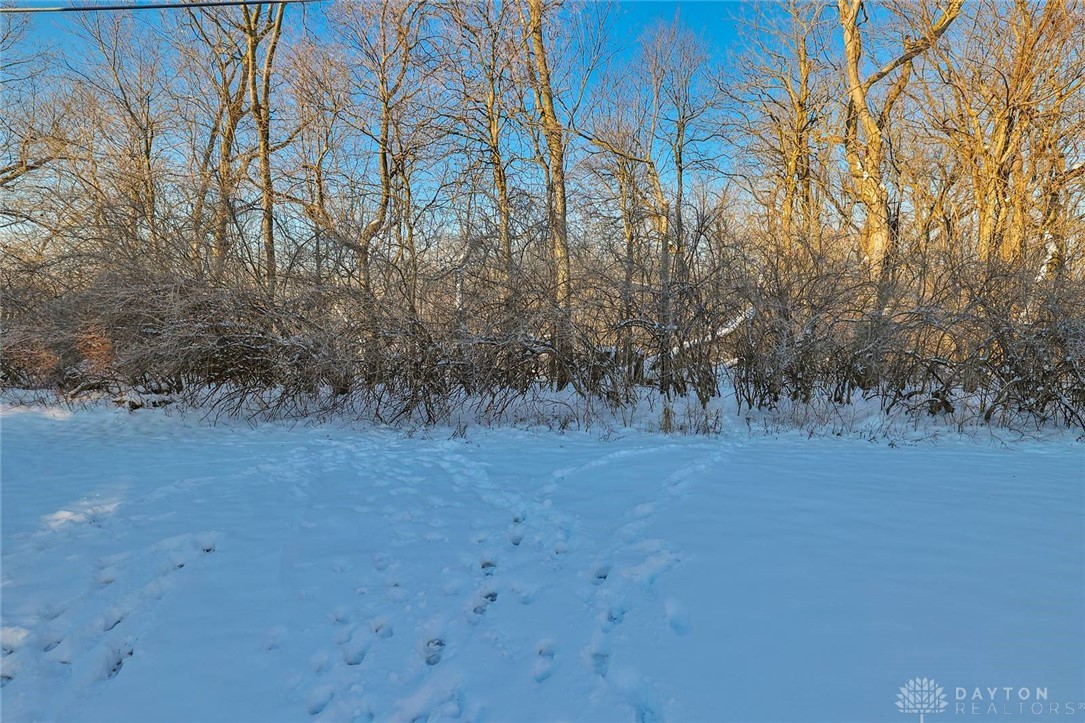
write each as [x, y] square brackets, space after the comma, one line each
[607, 594]
[61, 644]
[356, 642]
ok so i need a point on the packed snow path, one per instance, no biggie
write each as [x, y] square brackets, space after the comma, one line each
[161, 569]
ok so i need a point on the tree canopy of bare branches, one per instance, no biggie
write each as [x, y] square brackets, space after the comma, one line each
[404, 206]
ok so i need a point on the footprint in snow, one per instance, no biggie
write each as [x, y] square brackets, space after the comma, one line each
[382, 628]
[544, 666]
[596, 655]
[396, 592]
[600, 662]
[275, 637]
[647, 714]
[176, 561]
[354, 651]
[639, 693]
[600, 575]
[676, 617]
[487, 598]
[12, 638]
[319, 699]
[434, 650]
[52, 612]
[154, 590]
[321, 662]
[614, 617]
[116, 659]
[113, 618]
[525, 592]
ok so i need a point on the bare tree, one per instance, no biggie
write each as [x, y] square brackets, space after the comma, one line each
[28, 141]
[384, 39]
[483, 77]
[215, 61]
[407, 208]
[780, 120]
[320, 88]
[536, 14]
[262, 26]
[865, 141]
[1011, 134]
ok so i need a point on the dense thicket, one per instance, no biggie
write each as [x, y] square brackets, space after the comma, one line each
[404, 208]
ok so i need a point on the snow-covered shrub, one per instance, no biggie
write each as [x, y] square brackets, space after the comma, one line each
[969, 342]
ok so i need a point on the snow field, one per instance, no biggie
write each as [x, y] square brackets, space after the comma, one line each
[157, 568]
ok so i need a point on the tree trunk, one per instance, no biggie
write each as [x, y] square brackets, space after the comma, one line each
[260, 98]
[559, 235]
[864, 139]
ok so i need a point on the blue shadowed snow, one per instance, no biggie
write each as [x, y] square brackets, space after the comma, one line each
[161, 569]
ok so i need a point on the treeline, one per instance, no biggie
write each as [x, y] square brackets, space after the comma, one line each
[402, 207]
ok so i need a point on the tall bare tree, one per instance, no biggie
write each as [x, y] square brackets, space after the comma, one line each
[781, 117]
[483, 79]
[262, 26]
[865, 134]
[385, 39]
[536, 15]
[1011, 134]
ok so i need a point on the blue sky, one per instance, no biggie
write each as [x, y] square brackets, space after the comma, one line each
[714, 19]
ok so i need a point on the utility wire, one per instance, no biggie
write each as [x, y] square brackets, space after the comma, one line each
[147, 6]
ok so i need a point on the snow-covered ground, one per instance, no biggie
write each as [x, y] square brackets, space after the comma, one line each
[158, 568]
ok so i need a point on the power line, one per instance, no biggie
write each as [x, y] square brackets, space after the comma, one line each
[148, 6]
